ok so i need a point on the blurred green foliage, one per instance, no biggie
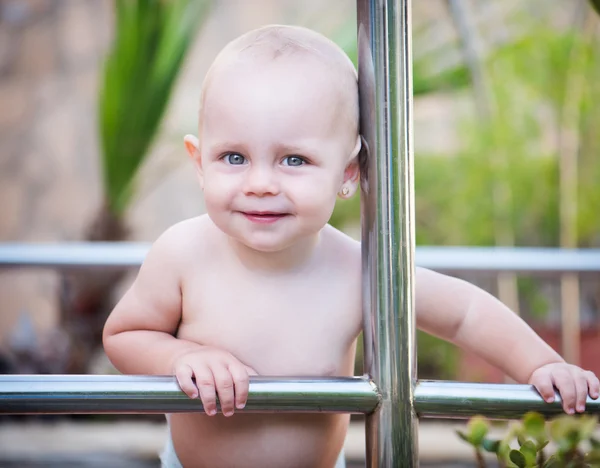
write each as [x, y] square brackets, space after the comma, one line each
[525, 444]
[151, 41]
[426, 76]
[453, 192]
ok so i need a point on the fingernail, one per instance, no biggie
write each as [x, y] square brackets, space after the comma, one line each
[570, 411]
[550, 399]
[581, 408]
[241, 405]
[194, 395]
[228, 413]
[212, 412]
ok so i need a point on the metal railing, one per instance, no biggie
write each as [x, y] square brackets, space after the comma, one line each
[483, 260]
[390, 396]
[97, 394]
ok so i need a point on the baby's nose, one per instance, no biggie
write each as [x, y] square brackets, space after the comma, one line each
[261, 181]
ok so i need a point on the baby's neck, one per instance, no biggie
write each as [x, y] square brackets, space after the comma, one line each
[290, 259]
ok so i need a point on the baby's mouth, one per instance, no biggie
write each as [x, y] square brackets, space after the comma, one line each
[264, 217]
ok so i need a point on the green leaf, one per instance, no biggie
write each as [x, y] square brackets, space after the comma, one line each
[529, 451]
[477, 427]
[521, 439]
[542, 445]
[463, 436]
[569, 440]
[560, 426]
[553, 462]
[587, 425]
[518, 458]
[534, 425]
[503, 452]
[491, 445]
[151, 40]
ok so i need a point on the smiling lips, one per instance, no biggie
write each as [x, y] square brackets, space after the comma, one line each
[263, 217]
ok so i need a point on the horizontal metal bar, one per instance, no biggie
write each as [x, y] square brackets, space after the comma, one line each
[449, 259]
[530, 260]
[460, 400]
[74, 254]
[91, 394]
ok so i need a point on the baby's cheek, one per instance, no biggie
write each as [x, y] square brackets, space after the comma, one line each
[320, 206]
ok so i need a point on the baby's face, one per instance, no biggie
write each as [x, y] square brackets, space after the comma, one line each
[274, 151]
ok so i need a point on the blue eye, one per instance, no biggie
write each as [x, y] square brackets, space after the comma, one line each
[235, 159]
[293, 161]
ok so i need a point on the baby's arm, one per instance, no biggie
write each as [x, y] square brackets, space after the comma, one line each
[460, 312]
[139, 334]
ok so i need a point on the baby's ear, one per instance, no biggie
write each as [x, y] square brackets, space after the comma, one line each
[192, 146]
[351, 172]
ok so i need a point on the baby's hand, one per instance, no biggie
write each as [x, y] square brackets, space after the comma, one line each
[215, 372]
[572, 382]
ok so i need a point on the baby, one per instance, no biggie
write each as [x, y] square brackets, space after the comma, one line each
[263, 285]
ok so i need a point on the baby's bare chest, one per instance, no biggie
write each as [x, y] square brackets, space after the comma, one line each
[278, 326]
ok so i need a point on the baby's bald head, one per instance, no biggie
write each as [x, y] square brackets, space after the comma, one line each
[319, 59]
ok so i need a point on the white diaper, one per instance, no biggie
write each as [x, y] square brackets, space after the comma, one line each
[168, 457]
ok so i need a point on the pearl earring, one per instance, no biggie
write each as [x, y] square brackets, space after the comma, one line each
[345, 191]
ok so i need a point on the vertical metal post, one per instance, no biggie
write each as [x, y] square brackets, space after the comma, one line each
[385, 82]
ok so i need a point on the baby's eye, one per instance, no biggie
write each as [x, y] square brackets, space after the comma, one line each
[293, 161]
[235, 159]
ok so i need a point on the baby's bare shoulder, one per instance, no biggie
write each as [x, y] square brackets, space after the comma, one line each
[344, 251]
[183, 240]
[186, 233]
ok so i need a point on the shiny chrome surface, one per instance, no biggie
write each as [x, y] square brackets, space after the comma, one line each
[79, 394]
[89, 394]
[536, 261]
[438, 399]
[384, 56]
[539, 261]
[73, 254]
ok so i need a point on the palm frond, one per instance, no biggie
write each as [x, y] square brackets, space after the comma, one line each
[152, 38]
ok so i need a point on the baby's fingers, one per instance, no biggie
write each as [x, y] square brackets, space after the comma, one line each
[593, 384]
[206, 385]
[566, 385]
[542, 381]
[241, 381]
[225, 389]
[581, 387]
[184, 374]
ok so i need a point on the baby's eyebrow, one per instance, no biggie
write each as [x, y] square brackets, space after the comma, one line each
[226, 146]
[295, 149]
[301, 148]
[306, 149]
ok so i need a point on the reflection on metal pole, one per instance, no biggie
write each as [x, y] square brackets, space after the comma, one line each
[384, 56]
[93, 394]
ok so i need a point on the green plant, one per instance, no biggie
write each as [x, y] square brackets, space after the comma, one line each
[152, 39]
[570, 438]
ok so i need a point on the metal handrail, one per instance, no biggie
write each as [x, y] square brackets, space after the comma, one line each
[529, 260]
[90, 394]
[93, 394]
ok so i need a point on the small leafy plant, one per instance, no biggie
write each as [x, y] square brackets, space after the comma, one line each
[570, 438]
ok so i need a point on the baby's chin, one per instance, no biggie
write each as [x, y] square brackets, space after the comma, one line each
[265, 245]
[274, 245]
